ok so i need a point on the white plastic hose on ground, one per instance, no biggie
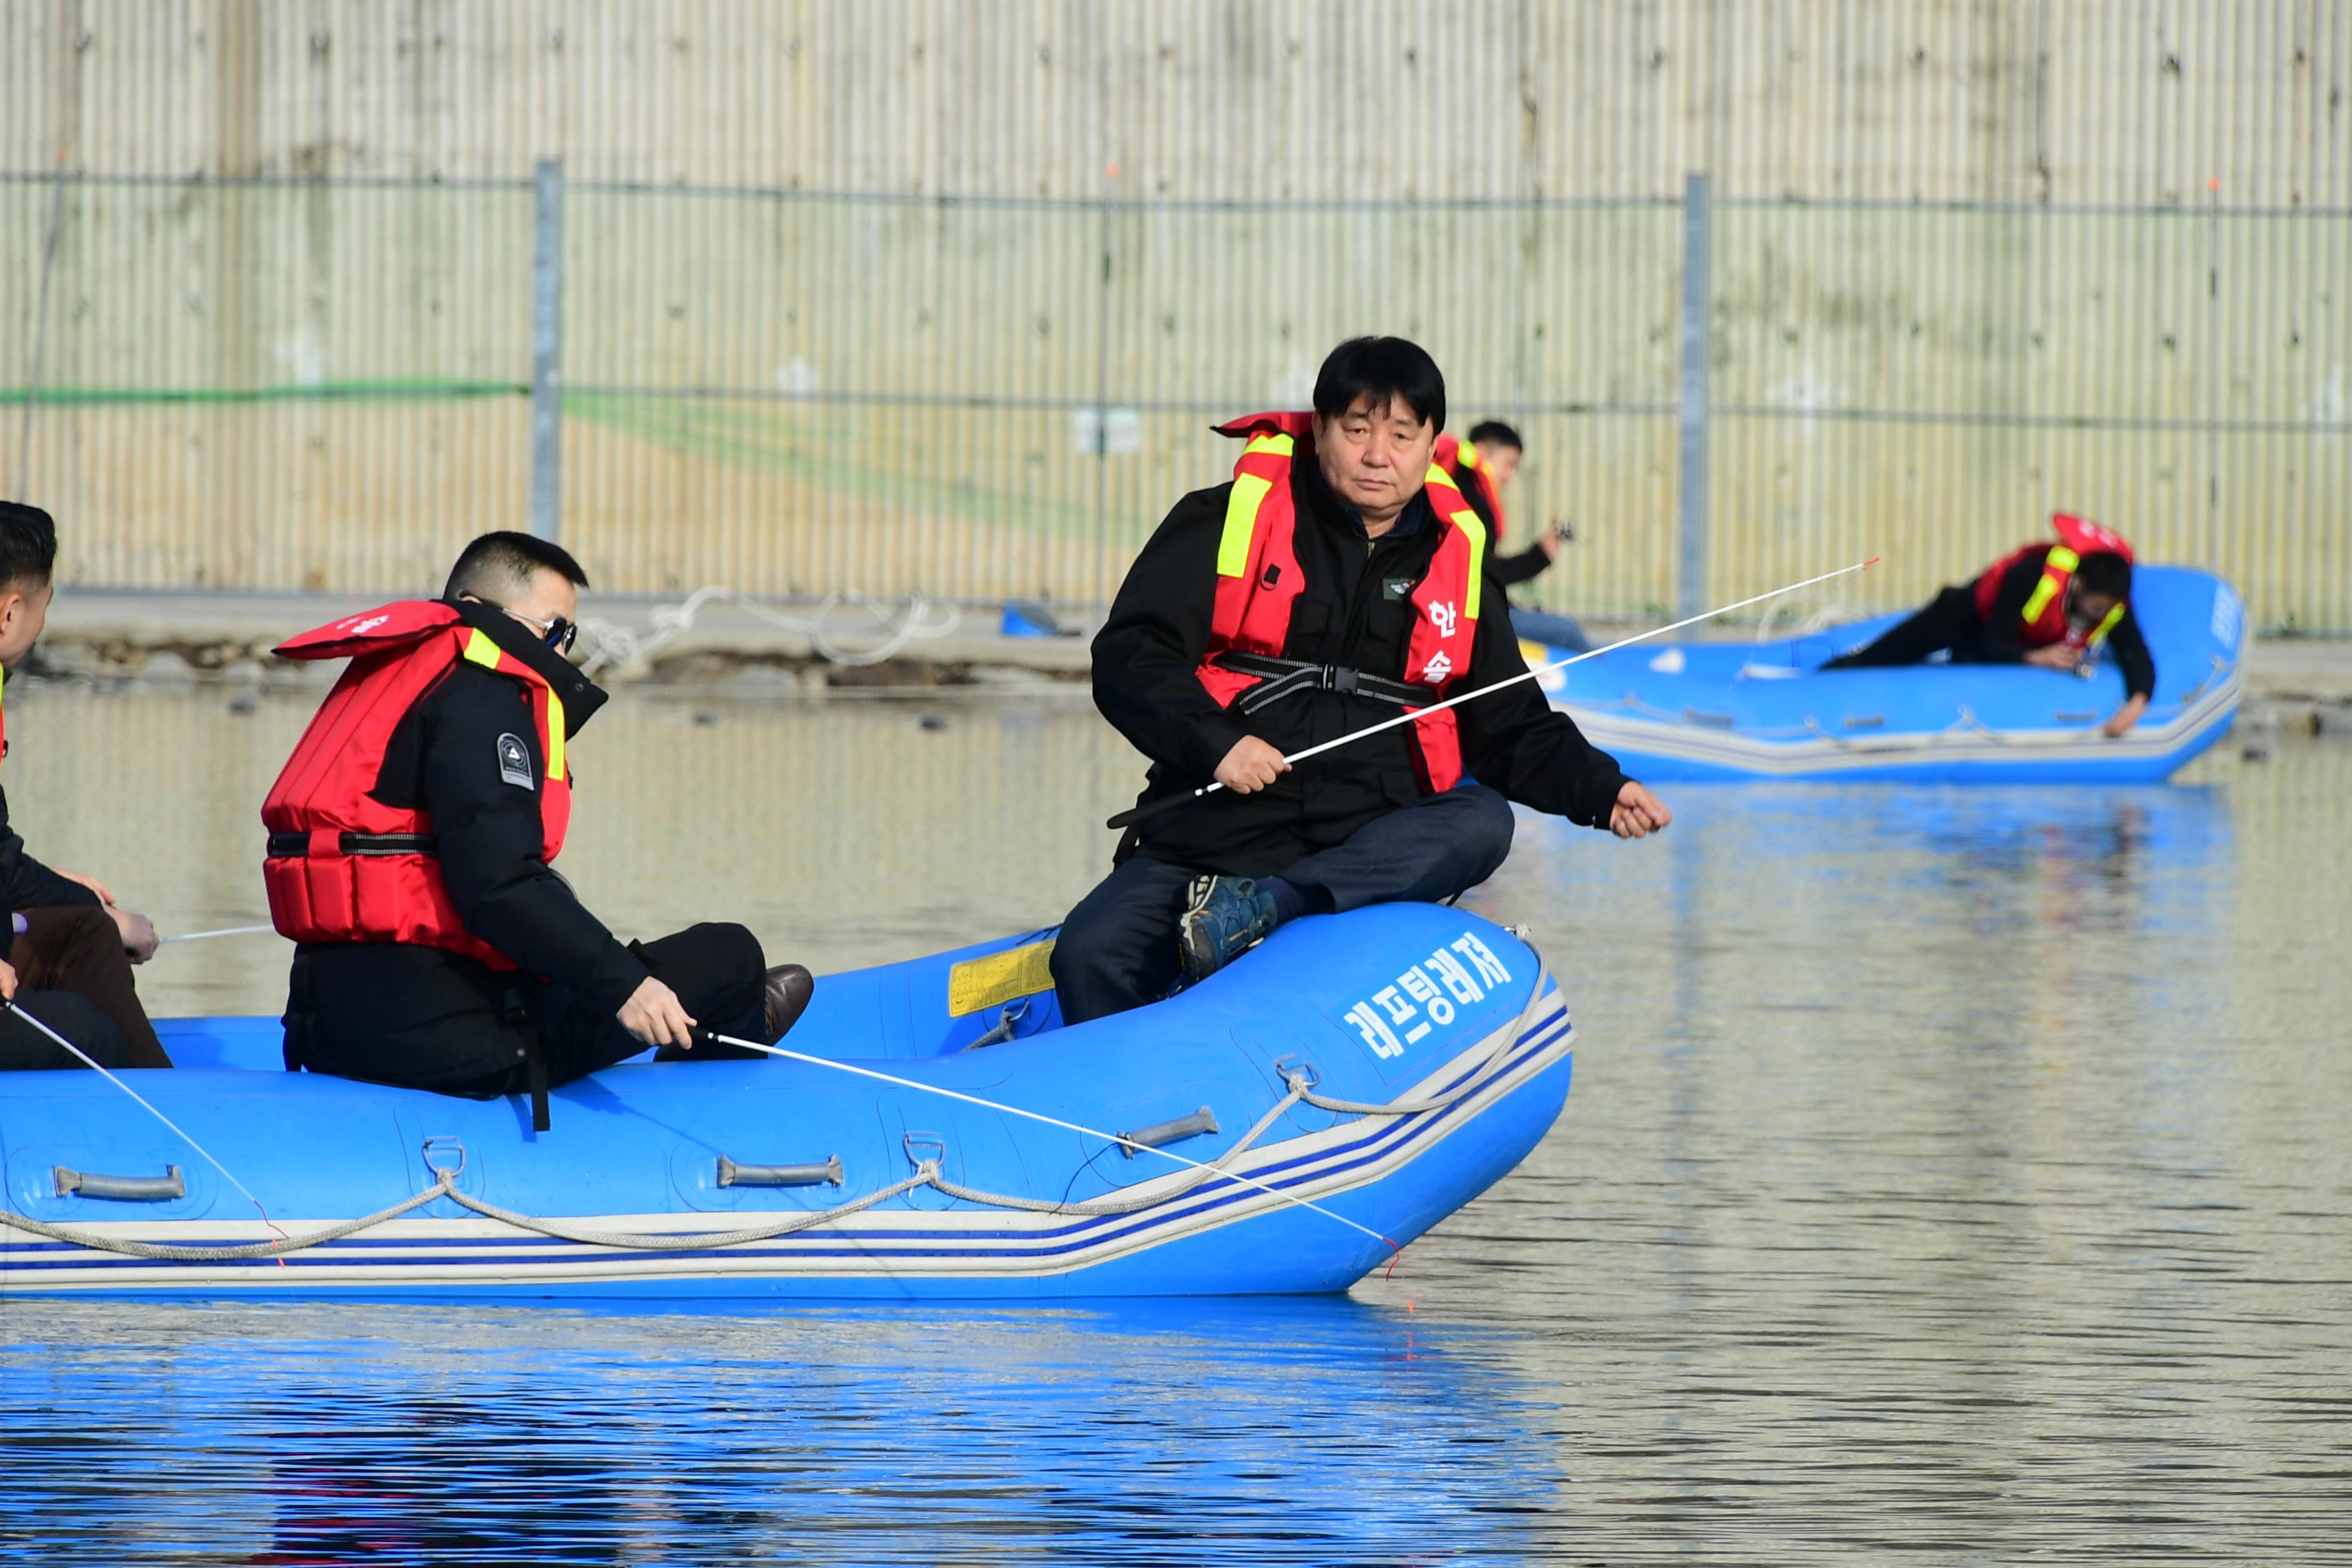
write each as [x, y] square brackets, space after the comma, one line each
[920, 619]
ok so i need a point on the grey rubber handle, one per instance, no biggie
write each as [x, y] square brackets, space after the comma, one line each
[732, 1175]
[1159, 1133]
[124, 1189]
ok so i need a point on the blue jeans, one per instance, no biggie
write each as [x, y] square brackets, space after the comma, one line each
[1554, 631]
[1118, 948]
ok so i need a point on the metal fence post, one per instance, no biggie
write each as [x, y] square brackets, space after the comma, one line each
[40, 330]
[546, 352]
[1690, 554]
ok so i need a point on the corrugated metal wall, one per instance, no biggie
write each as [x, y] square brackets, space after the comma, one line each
[846, 284]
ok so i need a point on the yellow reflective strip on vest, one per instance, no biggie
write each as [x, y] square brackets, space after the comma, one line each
[554, 735]
[481, 650]
[1271, 441]
[1438, 475]
[2043, 591]
[2061, 562]
[1475, 532]
[2099, 634]
[1241, 522]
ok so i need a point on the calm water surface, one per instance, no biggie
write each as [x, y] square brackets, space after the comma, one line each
[1951, 1177]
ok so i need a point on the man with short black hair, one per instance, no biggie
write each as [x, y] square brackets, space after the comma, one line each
[1482, 464]
[71, 948]
[1338, 580]
[412, 839]
[2052, 606]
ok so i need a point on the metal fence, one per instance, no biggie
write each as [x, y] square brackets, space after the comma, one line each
[313, 383]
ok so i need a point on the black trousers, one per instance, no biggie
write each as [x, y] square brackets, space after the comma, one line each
[1950, 622]
[424, 1019]
[24, 1049]
[1118, 948]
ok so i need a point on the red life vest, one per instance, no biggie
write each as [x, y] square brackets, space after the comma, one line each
[1259, 580]
[1455, 454]
[2045, 615]
[368, 872]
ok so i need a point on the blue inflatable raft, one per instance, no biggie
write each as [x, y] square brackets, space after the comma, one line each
[1385, 1066]
[1767, 709]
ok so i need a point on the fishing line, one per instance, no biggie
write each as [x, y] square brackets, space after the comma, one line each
[1395, 1249]
[1139, 813]
[8, 1005]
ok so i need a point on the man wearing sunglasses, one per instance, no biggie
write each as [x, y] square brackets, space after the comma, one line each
[412, 839]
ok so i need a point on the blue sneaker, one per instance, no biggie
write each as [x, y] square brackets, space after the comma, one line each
[1223, 918]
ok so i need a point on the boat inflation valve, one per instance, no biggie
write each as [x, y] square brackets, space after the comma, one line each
[732, 1175]
[124, 1189]
[1160, 1133]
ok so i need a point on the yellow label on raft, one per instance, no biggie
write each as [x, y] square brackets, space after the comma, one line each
[981, 983]
[1537, 655]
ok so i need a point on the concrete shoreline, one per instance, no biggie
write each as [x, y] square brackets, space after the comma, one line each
[2293, 683]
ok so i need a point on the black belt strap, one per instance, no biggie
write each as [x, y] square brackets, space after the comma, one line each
[534, 1059]
[1288, 677]
[294, 845]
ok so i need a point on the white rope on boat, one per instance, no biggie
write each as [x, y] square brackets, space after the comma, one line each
[173, 1252]
[928, 1172]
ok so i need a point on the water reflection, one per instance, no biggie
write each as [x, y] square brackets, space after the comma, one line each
[1314, 1431]
[1950, 1175]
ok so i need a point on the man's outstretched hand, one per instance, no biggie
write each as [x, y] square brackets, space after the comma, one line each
[2119, 722]
[1250, 767]
[1638, 812]
[139, 937]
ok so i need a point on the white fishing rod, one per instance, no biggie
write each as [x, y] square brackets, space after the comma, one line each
[8, 1005]
[208, 935]
[1394, 1249]
[1141, 812]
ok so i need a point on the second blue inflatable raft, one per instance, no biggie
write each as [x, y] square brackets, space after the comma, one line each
[1767, 709]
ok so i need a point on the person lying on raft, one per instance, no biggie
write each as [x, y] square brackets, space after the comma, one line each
[1339, 578]
[2047, 604]
[71, 949]
[411, 842]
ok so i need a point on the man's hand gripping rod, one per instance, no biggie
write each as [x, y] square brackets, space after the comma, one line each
[1142, 813]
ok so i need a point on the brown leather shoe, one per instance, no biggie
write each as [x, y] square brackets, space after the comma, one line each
[789, 989]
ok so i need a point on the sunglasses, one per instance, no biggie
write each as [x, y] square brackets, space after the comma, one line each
[558, 633]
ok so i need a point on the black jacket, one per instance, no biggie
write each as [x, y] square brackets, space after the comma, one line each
[1354, 611]
[372, 1008]
[2003, 639]
[1508, 569]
